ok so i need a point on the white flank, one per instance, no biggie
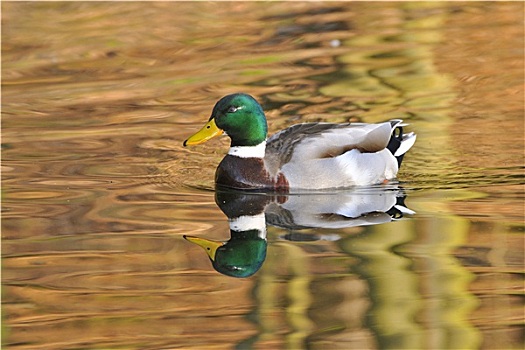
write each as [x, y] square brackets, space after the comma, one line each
[248, 151]
[250, 222]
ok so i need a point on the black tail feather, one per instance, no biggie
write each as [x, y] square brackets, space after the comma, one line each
[395, 143]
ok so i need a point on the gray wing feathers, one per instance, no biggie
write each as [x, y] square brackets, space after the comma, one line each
[325, 140]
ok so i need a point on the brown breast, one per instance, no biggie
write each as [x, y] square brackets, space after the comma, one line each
[248, 173]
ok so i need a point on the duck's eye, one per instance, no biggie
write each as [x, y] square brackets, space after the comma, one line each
[232, 109]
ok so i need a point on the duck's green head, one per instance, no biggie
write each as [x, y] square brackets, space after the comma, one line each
[240, 116]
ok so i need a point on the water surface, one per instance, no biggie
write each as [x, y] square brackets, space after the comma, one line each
[98, 190]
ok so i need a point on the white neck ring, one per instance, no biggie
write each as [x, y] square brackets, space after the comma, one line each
[257, 151]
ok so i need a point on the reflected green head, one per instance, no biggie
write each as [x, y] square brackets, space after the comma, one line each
[242, 256]
[242, 118]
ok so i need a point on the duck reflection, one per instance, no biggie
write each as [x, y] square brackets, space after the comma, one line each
[244, 253]
[249, 213]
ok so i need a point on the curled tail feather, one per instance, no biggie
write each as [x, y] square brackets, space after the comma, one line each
[400, 143]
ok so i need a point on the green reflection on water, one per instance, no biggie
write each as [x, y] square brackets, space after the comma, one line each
[418, 289]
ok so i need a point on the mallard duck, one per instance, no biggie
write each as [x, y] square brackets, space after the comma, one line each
[308, 156]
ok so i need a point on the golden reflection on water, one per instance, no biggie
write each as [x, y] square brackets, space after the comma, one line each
[98, 190]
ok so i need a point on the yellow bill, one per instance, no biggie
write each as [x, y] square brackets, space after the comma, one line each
[208, 131]
[207, 244]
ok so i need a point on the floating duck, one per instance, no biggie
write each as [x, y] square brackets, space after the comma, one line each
[309, 156]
